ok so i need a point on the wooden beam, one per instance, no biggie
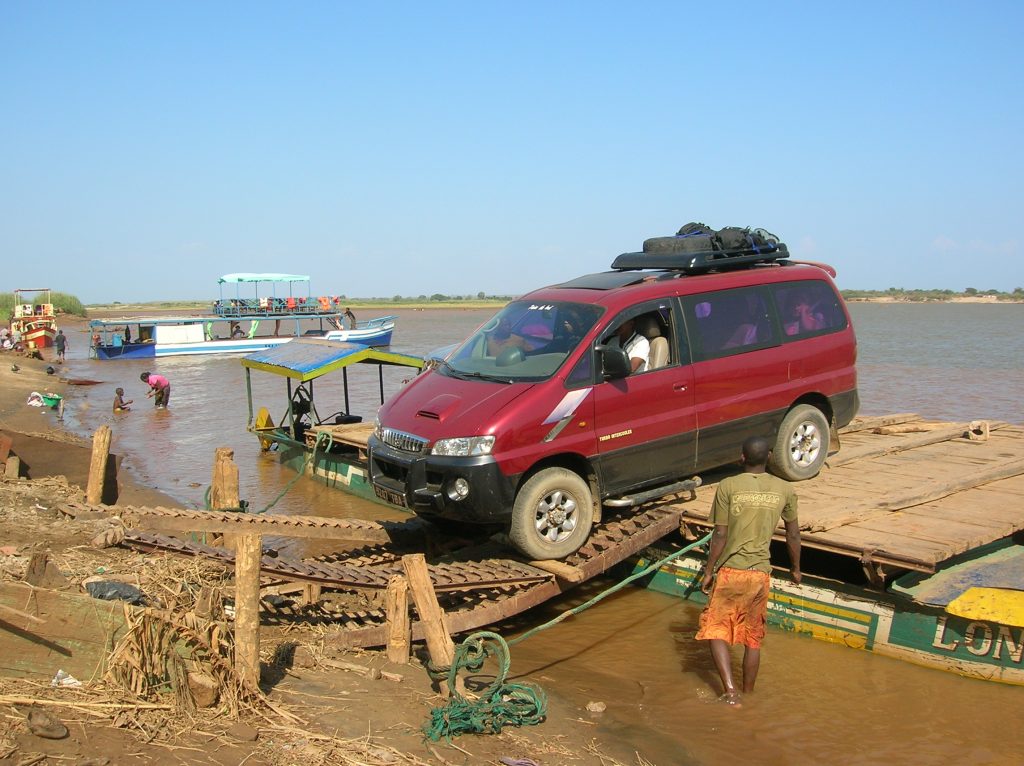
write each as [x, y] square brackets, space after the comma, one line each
[439, 640]
[98, 464]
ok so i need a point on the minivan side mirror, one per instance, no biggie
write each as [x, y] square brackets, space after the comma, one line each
[614, 362]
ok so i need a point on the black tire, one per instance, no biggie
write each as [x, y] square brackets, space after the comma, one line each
[552, 515]
[802, 444]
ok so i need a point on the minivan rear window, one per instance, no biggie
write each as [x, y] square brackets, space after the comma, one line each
[807, 308]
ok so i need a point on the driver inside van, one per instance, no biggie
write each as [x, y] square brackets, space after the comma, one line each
[636, 346]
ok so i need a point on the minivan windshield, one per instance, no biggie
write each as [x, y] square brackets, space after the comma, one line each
[525, 341]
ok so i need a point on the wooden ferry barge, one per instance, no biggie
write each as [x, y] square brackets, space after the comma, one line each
[922, 518]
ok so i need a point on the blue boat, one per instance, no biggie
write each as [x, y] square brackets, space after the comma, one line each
[237, 324]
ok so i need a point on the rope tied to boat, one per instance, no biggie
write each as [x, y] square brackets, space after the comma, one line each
[508, 704]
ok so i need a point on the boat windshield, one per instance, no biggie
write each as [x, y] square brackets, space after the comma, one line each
[525, 341]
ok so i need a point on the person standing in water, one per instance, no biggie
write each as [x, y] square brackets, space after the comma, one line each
[746, 511]
[159, 388]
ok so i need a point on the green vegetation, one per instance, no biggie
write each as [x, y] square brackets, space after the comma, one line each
[923, 296]
[62, 303]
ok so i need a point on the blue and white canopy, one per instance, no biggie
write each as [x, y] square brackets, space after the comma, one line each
[243, 277]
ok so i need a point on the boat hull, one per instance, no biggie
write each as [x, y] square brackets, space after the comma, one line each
[335, 471]
[373, 336]
[881, 622]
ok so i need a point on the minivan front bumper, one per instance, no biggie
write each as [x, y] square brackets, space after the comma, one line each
[425, 483]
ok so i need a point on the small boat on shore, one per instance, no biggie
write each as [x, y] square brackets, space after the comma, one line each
[318, 434]
[33, 317]
[923, 561]
[236, 325]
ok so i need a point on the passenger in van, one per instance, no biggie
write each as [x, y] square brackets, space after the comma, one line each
[502, 337]
[802, 316]
[633, 343]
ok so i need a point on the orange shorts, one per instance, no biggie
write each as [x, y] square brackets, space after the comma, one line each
[738, 609]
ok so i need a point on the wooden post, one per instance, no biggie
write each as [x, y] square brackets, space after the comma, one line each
[397, 608]
[248, 551]
[224, 490]
[98, 465]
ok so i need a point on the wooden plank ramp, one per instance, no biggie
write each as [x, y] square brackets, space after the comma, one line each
[908, 499]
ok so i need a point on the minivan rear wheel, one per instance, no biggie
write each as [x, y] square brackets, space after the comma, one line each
[552, 514]
[802, 444]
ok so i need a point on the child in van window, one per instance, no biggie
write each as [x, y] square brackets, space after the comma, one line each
[803, 317]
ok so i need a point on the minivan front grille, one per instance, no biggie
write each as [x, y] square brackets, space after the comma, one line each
[402, 441]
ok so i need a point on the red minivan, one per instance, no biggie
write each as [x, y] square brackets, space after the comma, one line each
[539, 419]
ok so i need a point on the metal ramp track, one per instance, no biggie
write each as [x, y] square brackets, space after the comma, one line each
[476, 585]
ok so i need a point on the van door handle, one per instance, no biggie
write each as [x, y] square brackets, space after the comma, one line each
[679, 387]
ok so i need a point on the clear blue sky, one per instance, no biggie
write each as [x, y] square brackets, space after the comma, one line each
[419, 148]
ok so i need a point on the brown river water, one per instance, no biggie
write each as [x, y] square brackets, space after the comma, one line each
[815, 703]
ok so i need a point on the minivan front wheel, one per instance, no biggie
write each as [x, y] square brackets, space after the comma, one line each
[802, 444]
[552, 514]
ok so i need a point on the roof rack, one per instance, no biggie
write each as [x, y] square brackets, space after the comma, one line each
[700, 262]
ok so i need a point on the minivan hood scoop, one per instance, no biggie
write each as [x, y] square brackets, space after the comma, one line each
[440, 407]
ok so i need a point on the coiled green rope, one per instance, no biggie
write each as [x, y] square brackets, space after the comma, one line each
[503, 704]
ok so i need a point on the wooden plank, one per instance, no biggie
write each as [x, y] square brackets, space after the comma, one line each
[396, 605]
[948, 533]
[863, 424]
[870, 540]
[922, 493]
[69, 632]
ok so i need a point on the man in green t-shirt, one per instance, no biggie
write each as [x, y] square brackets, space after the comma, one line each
[746, 512]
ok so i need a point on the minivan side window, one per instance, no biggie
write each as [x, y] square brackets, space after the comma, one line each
[727, 322]
[652, 337]
[807, 308]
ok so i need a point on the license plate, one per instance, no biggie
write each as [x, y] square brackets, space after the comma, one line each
[394, 498]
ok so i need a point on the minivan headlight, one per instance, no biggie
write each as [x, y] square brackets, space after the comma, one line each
[463, 446]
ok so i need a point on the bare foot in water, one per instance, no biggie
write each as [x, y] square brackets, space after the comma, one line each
[731, 698]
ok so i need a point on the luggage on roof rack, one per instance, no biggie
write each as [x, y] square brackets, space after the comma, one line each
[697, 248]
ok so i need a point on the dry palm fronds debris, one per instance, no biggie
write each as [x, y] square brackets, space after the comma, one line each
[183, 656]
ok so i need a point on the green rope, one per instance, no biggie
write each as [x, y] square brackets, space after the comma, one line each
[503, 704]
[500, 704]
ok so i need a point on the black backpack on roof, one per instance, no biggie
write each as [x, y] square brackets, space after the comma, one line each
[691, 238]
[700, 238]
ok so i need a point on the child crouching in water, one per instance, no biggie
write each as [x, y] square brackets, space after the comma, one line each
[120, 405]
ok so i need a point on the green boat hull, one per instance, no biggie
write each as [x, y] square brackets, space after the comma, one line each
[881, 622]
